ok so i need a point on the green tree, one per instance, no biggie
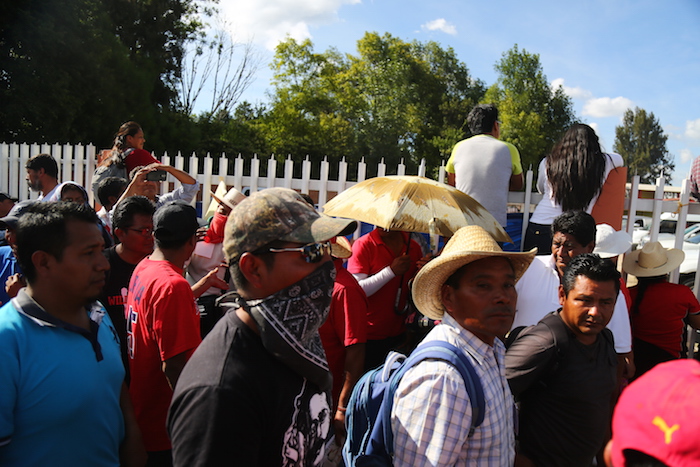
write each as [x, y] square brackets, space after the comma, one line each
[393, 100]
[534, 116]
[74, 70]
[641, 141]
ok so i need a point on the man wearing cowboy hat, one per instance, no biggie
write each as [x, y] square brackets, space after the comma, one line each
[660, 309]
[208, 255]
[471, 288]
[564, 370]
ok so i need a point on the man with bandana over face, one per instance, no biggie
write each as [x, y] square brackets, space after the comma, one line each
[257, 390]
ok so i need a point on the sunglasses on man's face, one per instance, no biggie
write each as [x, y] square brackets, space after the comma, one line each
[312, 253]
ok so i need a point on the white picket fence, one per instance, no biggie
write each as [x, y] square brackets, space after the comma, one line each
[77, 163]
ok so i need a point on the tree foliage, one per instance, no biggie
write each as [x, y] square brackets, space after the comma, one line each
[534, 116]
[74, 70]
[394, 100]
[641, 141]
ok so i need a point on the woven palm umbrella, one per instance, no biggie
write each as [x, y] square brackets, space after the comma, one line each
[413, 204]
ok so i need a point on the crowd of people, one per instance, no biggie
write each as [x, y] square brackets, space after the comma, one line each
[141, 334]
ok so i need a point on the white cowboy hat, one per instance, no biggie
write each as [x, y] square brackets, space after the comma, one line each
[609, 242]
[230, 199]
[468, 244]
[653, 260]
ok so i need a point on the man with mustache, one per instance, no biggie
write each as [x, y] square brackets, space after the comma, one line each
[573, 233]
[470, 287]
[563, 370]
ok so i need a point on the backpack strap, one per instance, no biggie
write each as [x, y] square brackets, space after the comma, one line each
[440, 350]
[560, 334]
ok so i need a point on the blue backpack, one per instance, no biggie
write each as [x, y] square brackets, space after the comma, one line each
[370, 441]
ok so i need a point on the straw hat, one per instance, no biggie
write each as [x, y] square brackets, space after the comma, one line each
[468, 244]
[230, 199]
[653, 260]
[609, 242]
[340, 247]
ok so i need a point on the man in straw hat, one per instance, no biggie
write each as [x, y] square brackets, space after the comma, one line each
[660, 309]
[257, 391]
[471, 288]
[208, 256]
[564, 370]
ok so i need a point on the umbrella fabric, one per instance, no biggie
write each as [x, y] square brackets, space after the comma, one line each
[413, 204]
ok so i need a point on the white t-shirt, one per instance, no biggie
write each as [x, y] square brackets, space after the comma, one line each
[538, 294]
[547, 209]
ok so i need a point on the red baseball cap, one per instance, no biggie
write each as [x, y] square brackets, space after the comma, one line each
[659, 415]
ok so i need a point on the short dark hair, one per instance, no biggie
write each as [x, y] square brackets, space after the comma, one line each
[593, 267]
[482, 118]
[43, 228]
[44, 161]
[110, 186]
[578, 224]
[126, 209]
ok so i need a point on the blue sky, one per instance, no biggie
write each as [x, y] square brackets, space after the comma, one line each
[609, 55]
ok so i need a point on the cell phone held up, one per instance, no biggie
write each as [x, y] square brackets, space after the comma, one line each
[156, 176]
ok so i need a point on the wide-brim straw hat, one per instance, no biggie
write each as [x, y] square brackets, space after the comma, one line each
[610, 242]
[341, 248]
[652, 260]
[468, 244]
[230, 199]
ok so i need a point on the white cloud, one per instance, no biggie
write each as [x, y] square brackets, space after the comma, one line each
[607, 106]
[686, 156]
[692, 129]
[574, 93]
[440, 25]
[268, 22]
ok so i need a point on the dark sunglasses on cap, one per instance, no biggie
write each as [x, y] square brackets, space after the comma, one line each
[312, 253]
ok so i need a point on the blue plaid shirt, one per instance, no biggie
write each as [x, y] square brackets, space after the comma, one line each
[432, 414]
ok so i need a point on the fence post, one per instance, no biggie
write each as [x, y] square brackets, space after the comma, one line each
[254, 173]
[656, 213]
[526, 207]
[271, 172]
[323, 182]
[288, 171]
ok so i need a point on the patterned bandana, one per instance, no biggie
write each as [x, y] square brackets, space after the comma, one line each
[289, 320]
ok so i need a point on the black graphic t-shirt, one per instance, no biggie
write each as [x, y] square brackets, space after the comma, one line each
[234, 403]
[114, 295]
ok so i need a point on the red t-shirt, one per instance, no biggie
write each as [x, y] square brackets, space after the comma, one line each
[659, 320]
[346, 324]
[369, 256]
[137, 158]
[162, 322]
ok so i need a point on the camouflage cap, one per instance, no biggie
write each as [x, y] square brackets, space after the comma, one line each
[278, 214]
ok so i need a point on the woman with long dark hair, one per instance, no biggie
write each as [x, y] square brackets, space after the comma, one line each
[128, 146]
[570, 178]
[659, 308]
[127, 153]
